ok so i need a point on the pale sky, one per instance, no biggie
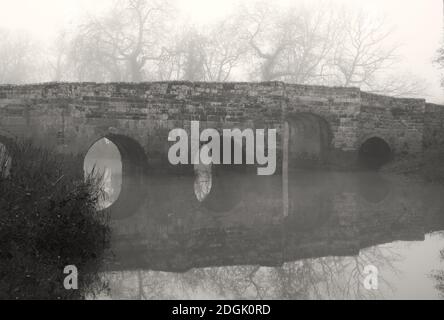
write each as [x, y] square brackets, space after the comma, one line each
[418, 24]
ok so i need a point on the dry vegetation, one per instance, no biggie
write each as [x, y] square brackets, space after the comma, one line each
[48, 220]
[427, 166]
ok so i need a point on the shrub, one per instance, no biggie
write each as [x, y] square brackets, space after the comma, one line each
[427, 166]
[48, 220]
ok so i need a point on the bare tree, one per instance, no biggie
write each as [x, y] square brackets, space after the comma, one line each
[292, 46]
[399, 84]
[361, 52]
[185, 58]
[121, 43]
[92, 62]
[365, 56]
[307, 44]
[325, 45]
[440, 62]
[18, 58]
[209, 54]
[225, 50]
[58, 57]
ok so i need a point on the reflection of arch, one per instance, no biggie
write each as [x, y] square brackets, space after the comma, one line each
[310, 199]
[203, 177]
[372, 187]
[310, 139]
[374, 152]
[227, 182]
[133, 169]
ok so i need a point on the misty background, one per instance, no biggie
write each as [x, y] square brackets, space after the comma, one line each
[386, 47]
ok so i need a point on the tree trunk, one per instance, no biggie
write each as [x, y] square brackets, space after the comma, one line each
[135, 70]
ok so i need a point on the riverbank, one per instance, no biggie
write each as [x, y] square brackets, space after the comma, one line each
[48, 220]
[427, 166]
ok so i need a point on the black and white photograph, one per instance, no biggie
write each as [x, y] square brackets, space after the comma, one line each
[221, 150]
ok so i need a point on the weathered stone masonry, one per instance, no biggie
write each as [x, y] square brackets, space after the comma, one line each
[433, 125]
[72, 116]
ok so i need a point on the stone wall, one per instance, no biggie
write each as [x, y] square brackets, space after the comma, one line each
[339, 106]
[433, 125]
[400, 122]
[72, 116]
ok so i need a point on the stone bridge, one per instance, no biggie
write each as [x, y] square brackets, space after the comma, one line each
[324, 126]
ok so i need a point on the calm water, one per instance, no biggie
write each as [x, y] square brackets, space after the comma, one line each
[222, 236]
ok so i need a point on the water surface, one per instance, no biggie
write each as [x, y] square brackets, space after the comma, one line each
[240, 236]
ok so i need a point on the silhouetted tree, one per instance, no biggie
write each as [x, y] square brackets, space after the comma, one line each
[325, 45]
[289, 45]
[118, 45]
[207, 54]
[18, 58]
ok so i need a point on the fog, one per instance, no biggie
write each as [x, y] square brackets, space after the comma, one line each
[415, 28]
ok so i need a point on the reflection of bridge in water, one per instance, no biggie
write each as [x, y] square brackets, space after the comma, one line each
[242, 223]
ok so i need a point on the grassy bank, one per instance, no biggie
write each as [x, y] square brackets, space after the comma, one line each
[48, 220]
[427, 166]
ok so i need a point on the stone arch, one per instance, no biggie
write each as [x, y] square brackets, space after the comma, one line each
[310, 139]
[134, 165]
[372, 188]
[374, 152]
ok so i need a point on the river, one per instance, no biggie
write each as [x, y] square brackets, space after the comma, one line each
[311, 236]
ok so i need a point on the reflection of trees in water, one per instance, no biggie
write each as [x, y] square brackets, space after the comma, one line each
[439, 278]
[350, 283]
[321, 278]
[438, 275]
